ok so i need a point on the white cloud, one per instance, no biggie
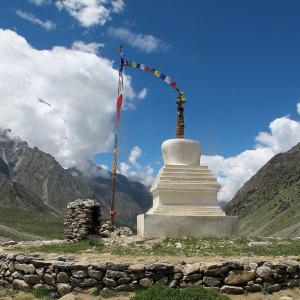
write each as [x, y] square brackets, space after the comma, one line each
[134, 171]
[80, 88]
[40, 2]
[135, 153]
[142, 94]
[105, 167]
[117, 6]
[48, 25]
[87, 47]
[298, 108]
[91, 12]
[284, 133]
[124, 168]
[234, 171]
[144, 42]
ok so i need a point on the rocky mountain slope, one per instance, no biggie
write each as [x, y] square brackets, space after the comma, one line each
[269, 203]
[33, 182]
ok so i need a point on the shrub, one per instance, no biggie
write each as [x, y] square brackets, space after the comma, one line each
[41, 292]
[267, 288]
[159, 292]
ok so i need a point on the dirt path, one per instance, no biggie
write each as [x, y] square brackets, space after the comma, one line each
[90, 257]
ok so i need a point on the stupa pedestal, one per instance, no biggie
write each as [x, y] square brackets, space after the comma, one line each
[184, 197]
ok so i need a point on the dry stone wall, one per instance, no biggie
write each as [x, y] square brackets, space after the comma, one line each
[64, 275]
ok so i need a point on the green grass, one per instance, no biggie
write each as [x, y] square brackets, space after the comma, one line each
[159, 292]
[184, 247]
[9, 235]
[41, 293]
[44, 225]
[9, 291]
[212, 246]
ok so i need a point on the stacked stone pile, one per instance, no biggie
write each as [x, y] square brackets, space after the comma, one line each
[108, 231]
[82, 218]
[232, 277]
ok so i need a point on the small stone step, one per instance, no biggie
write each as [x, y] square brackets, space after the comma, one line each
[187, 172]
[185, 167]
[187, 179]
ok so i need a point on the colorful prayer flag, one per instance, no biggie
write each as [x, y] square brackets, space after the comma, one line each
[173, 84]
[168, 79]
[156, 73]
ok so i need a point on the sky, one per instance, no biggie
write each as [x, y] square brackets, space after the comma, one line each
[237, 62]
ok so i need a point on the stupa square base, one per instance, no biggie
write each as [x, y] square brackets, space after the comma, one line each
[155, 226]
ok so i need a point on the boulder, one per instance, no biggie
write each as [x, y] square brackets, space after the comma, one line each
[109, 282]
[79, 273]
[239, 277]
[191, 269]
[96, 274]
[21, 285]
[63, 277]
[211, 281]
[146, 282]
[264, 272]
[49, 279]
[64, 289]
[230, 289]
[25, 268]
[32, 279]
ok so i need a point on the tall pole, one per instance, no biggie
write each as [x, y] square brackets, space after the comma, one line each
[180, 116]
[117, 126]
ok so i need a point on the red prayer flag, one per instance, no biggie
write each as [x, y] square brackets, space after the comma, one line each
[120, 101]
[119, 106]
[147, 68]
[173, 84]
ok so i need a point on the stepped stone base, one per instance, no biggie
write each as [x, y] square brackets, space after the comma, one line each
[154, 226]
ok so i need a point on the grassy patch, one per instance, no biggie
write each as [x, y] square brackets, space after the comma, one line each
[44, 225]
[184, 247]
[41, 293]
[212, 246]
[159, 292]
[6, 291]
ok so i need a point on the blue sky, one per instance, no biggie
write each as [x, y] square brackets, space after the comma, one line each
[237, 61]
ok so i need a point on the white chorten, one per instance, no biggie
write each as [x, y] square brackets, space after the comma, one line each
[184, 197]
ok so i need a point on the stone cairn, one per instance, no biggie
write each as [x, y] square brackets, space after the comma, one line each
[108, 231]
[82, 219]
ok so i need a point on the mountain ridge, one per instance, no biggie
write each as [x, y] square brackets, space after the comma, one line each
[269, 202]
[33, 181]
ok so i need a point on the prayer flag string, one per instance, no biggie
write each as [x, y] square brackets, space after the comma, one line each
[180, 121]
